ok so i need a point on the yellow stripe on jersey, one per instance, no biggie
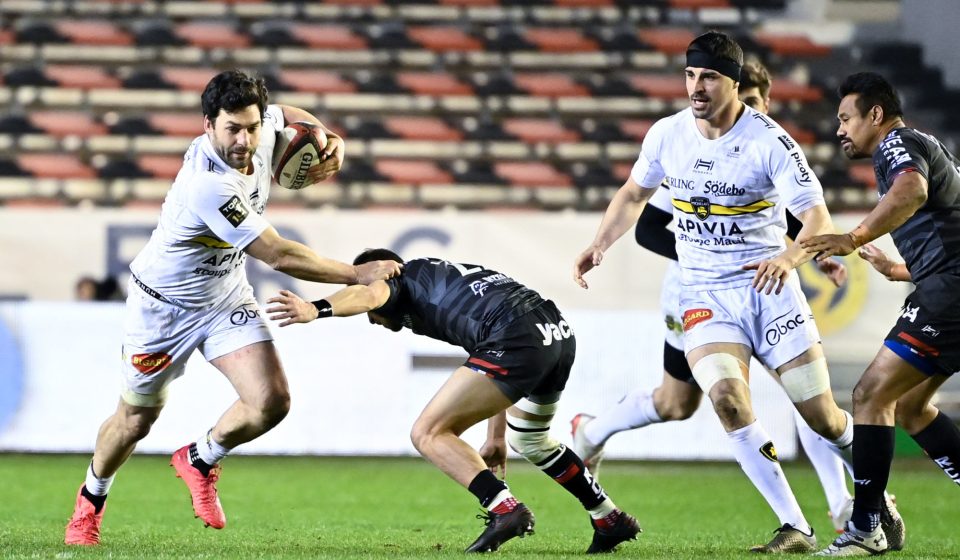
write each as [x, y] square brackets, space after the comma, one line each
[720, 210]
[212, 242]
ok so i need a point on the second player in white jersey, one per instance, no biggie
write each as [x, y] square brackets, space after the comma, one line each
[729, 193]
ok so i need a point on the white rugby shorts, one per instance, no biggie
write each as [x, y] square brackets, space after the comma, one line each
[777, 328]
[670, 306]
[159, 337]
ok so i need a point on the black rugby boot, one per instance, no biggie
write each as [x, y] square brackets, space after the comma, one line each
[502, 527]
[605, 540]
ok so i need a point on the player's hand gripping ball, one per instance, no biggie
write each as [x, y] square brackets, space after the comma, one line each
[298, 148]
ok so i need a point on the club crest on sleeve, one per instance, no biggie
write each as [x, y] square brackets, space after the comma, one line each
[234, 211]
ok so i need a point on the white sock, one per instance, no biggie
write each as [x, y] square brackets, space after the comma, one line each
[766, 474]
[209, 450]
[501, 497]
[842, 447]
[605, 508]
[96, 485]
[635, 410]
[828, 465]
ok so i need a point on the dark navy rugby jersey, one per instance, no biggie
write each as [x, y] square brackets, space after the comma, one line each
[455, 302]
[929, 241]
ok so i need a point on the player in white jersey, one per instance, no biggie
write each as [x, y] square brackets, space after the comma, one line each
[678, 396]
[733, 172]
[188, 290]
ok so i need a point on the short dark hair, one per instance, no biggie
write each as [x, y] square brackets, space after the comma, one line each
[718, 44]
[872, 89]
[369, 255]
[232, 91]
[754, 74]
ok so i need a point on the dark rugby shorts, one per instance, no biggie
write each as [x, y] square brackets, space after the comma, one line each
[532, 355]
[927, 334]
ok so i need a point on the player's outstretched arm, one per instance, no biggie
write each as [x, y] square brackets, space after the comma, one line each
[905, 197]
[772, 274]
[895, 271]
[299, 261]
[621, 215]
[331, 159]
[352, 300]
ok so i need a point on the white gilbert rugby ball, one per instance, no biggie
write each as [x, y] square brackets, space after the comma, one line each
[298, 149]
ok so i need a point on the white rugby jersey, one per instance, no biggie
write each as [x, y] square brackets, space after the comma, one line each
[670, 296]
[729, 194]
[195, 255]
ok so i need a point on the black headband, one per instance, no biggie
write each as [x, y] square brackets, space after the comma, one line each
[702, 59]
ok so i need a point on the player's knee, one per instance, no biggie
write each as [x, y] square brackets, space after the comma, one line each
[137, 428]
[914, 416]
[731, 406]
[422, 434]
[531, 439]
[676, 410]
[274, 407]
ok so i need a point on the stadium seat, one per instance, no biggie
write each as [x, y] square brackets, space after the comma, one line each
[327, 36]
[791, 45]
[667, 40]
[422, 128]
[551, 85]
[211, 35]
[176, 124]
[636, 129]
[67, 123]
[160, 167]
[93, 32]
[81, 76]
[54, 166]
[188, 78]
[863, 174]
[663, 86]
[560, 40]
[539, 130]
[316, 81]
[531, 174]
[443, 39]
[433, 83]
[413, 172]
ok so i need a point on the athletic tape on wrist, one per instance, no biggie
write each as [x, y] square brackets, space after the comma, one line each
[324, 309]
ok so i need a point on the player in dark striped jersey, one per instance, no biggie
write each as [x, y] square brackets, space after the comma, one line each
[521, 351]
[919, 185]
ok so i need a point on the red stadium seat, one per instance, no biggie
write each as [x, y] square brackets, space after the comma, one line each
[560, 40]
[584, 3]
[787, 90]
[622, 170]
[211, 35]
[317, 81]
[66, 123]
[7, 37]
[327, 36]
[416, 172]
[636, 129]
[422, 128]
[188, 78]
[539, 130]
[667, 40]
[863, 174]
[84, 77]
[433, 83]
[161, 167]
[442, 39]
[177, 124]
[663, 86]
[791, 45]
[532, 174]
[55, 166]
[93, 32]
[696, 4]
[799, 134]
[469, 3]
[551, 85]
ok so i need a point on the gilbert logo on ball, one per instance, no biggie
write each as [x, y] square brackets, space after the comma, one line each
[298, 149]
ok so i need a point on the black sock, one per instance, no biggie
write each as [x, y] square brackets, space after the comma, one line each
[872, 457]
[568, 470]
[485, 486]
[941, 442]
[97, 501]
[197, 462]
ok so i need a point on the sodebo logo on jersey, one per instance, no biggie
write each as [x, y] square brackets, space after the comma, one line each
[780, 328]
[721, 188]
[551, 332]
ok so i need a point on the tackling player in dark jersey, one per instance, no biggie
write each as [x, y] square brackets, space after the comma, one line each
[521, 351]
[919, 184]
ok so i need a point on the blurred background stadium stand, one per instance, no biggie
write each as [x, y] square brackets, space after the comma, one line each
[473, 103]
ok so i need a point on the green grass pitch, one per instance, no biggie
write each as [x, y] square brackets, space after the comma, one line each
[308, 507]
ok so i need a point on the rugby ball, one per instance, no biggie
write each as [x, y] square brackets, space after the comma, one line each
[298, 149]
